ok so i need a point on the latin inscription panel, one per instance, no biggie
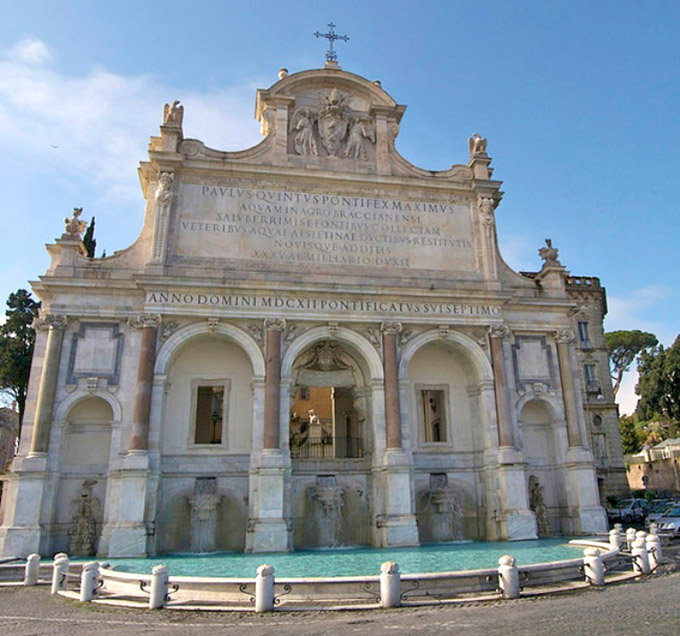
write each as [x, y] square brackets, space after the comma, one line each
[321, 230]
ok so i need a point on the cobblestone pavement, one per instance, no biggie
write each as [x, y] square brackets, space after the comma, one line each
[650, 606]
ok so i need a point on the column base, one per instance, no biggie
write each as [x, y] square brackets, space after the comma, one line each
[267, 535]
[123, 540]
[20, 541]
[519, 525]
[397, 531]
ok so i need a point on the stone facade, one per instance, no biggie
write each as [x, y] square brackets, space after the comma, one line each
[168, 379]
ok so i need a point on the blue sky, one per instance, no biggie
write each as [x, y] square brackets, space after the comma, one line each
[578, 100]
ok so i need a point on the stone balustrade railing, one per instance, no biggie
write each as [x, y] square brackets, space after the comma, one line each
[600, 564]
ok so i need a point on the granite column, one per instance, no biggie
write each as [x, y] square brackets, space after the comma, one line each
[505, 436]
[48, 382]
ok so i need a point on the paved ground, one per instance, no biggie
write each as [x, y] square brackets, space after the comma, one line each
[647, 607]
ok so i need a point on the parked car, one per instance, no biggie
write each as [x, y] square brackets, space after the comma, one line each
[670, 522]
[629, 511]
[657, 510]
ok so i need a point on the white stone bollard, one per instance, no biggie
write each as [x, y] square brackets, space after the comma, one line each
[89, 581]
[593, 566]
[653, 528]
[31, 570]
[59, 572]
[390, 585]
[618, 527]
[264, 589]
[159, 586]
[653, 545]
[614, 538]
[630, 537]
[508, 577]
[640, 557]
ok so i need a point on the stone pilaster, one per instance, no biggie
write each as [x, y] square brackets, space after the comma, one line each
[396, 525]
[496, 336]
[514, 518]
[269, 472]
[390, 331]
[563, 340]
[126, 534]
[48, 382]
[148, 323]
[272, 387]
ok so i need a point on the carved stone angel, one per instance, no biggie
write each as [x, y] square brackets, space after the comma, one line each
[174, 114]
[477, 145]
[359, 129]
[302, 123]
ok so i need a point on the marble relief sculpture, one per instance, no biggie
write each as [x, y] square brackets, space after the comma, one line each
[303, 124]
[335, 124]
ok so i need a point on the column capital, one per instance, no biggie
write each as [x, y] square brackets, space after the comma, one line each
[564, 336]
[274, 324]
[50, 321]
[499, 331]
[391, 327]
[143, 320]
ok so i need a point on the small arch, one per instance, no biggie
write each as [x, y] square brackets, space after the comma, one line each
[65, 407]
[552, 404]
[465, 345]
[356, 342]
[178, 340]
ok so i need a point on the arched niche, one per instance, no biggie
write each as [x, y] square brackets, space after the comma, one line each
[541, 443]
[83, 472]
[208, 396]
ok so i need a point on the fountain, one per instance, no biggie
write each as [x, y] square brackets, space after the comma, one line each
[537, 506]
[83, 532]
[204, 503]
[440, 519]
[327, 504]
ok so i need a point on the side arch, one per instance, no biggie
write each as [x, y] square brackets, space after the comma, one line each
[464, 344]
[355, 340]
[176, 342]
[71, 400]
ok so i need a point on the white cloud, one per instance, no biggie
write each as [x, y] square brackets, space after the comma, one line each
[97, 126]
[28, 50]
[633, 311]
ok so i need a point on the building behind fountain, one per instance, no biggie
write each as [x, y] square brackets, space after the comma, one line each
[312, 343]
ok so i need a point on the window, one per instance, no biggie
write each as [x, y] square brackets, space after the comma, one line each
[583, 335]
[592, 383]
[434, 416]
[304, 393]
[209, 414]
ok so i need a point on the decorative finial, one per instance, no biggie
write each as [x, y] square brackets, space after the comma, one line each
[74, 227]
[331, 36]
[173, 114]
[549, 253]
[477, 145]
[283, 72]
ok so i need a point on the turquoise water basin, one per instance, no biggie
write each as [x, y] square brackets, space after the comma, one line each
[358, 561]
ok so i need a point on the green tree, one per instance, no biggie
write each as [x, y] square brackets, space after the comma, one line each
[623, 348]
[659, 384]
[631, 437]
[89, 240]
[17, 338]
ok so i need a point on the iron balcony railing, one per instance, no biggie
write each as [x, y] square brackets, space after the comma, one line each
[328, 448]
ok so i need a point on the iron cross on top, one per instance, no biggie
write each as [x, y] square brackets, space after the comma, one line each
[331, 55]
